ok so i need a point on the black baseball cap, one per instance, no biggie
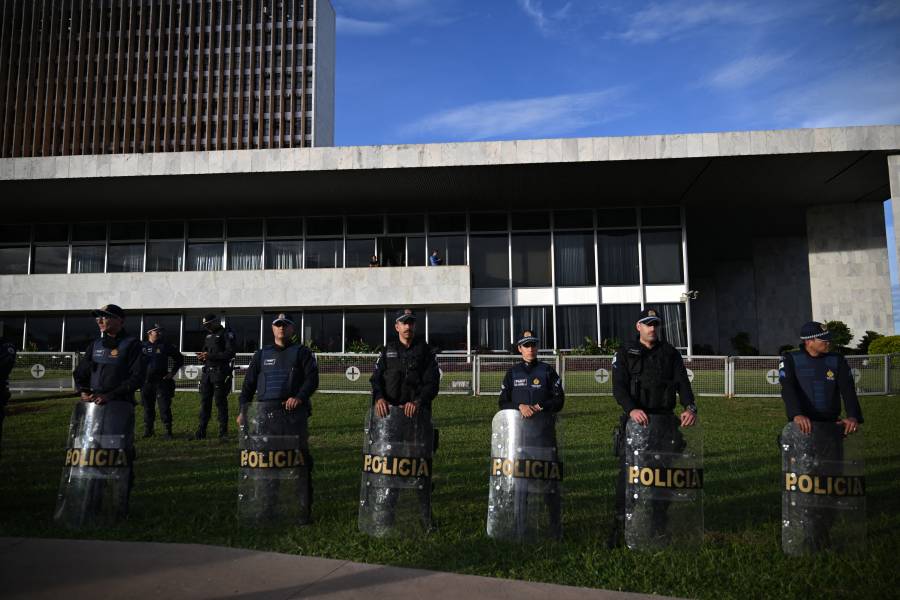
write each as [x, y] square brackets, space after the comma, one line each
[156, 327]
[283, 318]
[527, 337]
[405, 315]
[210, 318]
[648, 316]
[109, 310]
[815, 330]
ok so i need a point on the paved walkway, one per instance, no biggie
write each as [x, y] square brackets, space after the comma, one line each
[41, 568]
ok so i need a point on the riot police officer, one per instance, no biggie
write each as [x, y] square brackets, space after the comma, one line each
[7, 362]
[160, 383]
[647, 374]
[215, 381]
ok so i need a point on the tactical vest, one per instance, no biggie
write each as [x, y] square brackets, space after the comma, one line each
[276, 373]
[157, 358]
[814, 379]
[110, 364]
[530, 386]
[403, 371]
[652, 378]
[215, 343]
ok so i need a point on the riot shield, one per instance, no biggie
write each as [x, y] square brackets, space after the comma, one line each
[823, 500]
[663, 483]
[525, 500]
[395, 493]
[273, 482]
[97, 475]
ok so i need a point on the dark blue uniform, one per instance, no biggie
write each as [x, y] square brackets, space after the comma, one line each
[7, 362]
[814, 387]
[406, 374]
[532, 383]
[159, 385]
[215, 381]
[113, 367]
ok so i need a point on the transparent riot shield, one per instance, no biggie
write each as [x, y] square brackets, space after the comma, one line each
[663, 483]
[525, 500]
[97, 475]
[274, 466]
[395, 493]
[823, 500]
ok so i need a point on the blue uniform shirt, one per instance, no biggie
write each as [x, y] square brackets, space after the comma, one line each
[532, 383]
[814, 387]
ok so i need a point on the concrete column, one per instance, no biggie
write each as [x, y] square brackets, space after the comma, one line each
[848, 267]
[894, 176]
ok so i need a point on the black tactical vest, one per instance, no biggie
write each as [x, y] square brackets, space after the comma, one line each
[276, 373]
[403, 370]
[652, 378]
[110, 365]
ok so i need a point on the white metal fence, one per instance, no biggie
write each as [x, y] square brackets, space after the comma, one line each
[482, 374]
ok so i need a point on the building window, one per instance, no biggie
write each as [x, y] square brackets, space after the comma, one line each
[573, 253]
[12, 328]
[88, 259]
[617, 321]
[662, 256]
[43, 334]
[674, 324]
[447, 330]
[246, 332]
[171, 325]
[360, 251]
[417, 252]
[204, 256]
[538, 319]
[125, 258]
[573, 324]
[531, 260]
[165, 256]
[451, 248]
[490, 329]
[245, 256]
[323, 330]
[618, 257]
[194, 334]
[489, 261]
[81, 330]
[366, 327]
[50, 259]
[324, 253]
[284, 254]
[14, 260]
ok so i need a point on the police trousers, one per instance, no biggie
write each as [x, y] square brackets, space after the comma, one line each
[161, 391]
[215, 385]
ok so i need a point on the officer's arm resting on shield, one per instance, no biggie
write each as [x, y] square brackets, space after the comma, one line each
[847, 388]
[82, 374]
[377, 382]
[248, 388]
[431, 381]
[306, 361]
[229, 351]
[177, 361]
[789, 387]
[622, 392]
[685, 393]
[557, 397]
[137, 372]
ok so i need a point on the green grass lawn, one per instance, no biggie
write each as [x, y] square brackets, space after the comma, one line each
[186, 492]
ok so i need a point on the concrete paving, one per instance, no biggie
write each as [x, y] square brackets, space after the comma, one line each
[72, 569]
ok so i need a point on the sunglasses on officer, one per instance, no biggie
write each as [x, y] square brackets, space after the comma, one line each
[99, 318]
[529, 344]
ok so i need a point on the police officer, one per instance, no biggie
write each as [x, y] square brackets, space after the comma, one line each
[814, 381]
[160, 383]
[647, 373]
[215, 381]
[7, 362]
[406, 373]
[285, 372]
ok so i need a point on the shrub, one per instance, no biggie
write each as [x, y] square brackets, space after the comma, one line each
[840, 335]
[889, 344]
[867, 340]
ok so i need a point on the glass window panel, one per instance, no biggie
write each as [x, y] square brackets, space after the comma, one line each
[662, 256]
[284, 254]
[489, 261]
[447, 330]
[451, 248]
[128, 231]
[163, 230]
[126, 258]
[674, 325]
[417, 254]
[12, 328]
[205, 229]
[360, 251]
[88, 259]
[538, 319]
[406, 223]
[245, 228]
[51, 232]
[284, 227]
[487, 221]
[573, 219]
[194, 333]
[205, 256]
[244, 256]
[618, 257]
[531, 260]
[246, 331]
[322, 331]
[14, 261]
[11, 233]
[574, 258]
[89, 232]
[616, 217]
[171, 324]
[44, 334]
[165, 256]
[50, 259]
[617, 321]
[81, 330]
[367, 326]
[573, 324]
[490, 329]
[660, 215]
[531, 220]
[324, 254]
[324, 226]
[365, 224]
[443, 223]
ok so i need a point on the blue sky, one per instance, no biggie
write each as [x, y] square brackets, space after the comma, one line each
[462, 70]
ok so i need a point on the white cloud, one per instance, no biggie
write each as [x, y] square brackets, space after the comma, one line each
[534, 9]
[745, 71]
[528, 118]
[352, 26]
[671, 19]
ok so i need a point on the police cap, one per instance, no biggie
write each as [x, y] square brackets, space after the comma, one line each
[286, 318]
[405, 315]
[156, 327]
[109, 310]
[815, 330]
[527, 337]
[649, 316]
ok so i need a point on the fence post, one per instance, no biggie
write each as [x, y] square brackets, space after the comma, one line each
[476, 367]
[887, 374]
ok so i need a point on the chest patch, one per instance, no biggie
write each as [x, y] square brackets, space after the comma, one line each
[391, 354]
[829, 375]
[269, 362]
[520, 382]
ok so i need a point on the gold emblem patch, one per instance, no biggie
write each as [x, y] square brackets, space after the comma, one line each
[829, 374]
[536, 381]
